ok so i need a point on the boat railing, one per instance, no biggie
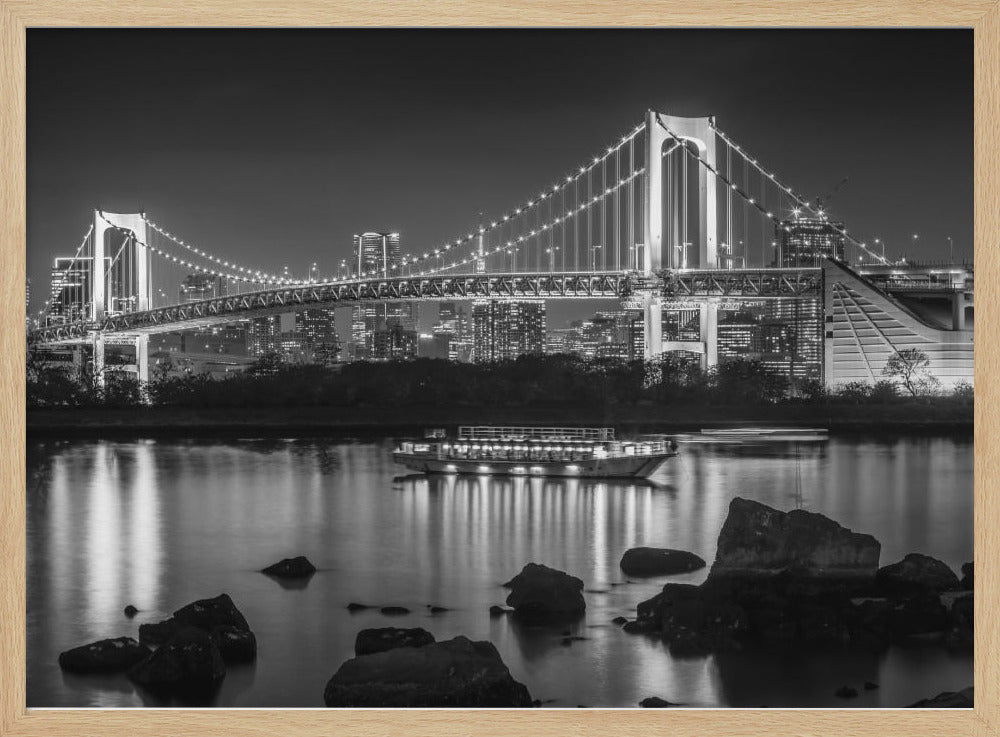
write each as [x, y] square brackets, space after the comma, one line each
[516, 432]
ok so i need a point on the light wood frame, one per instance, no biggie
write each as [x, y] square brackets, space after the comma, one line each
[15, 15]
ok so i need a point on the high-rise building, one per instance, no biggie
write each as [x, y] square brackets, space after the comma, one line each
[380, 253]
[318, 328]
[197, 287]
[784, 335]
[807, 241]
[506, 329]
[263, 335]
[71, 288]
[451, 333]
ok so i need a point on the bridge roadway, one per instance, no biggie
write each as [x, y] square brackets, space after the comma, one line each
[677, 285]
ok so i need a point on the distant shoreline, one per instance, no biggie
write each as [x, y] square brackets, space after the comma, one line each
[899, 418]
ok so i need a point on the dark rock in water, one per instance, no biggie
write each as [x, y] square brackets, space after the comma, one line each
[846, 692]
[918, 616]
[386, 638]
[915, 574]
[157, 633]
[438, 609]
[961, 621]
[216, 617]
[869, 686]
[394, 610]
[297, 567]
[757, 540]
[542, 592]
[355, 607]
[619, 620]
[498, 611]
[103, 656]
[131, 611]
[968, 577]
[454, 673]
[641, 627]
[659, 562]
[235, 645]
[948, 700]
[206, 614]
[189, 666]
[655, 702]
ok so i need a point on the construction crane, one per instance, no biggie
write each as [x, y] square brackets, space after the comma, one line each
[827, 197]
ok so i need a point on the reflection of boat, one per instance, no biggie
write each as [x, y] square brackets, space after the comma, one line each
[538, 451]
[757, 435]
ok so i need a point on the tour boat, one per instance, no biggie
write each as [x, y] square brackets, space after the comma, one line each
[591, 452]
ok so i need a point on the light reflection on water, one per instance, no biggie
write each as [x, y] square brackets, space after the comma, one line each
[159, 524]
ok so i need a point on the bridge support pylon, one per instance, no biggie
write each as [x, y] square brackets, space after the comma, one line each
[698, 131]
[652, 314]
[708, 328]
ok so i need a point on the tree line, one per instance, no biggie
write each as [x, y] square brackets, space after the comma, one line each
[531, 380]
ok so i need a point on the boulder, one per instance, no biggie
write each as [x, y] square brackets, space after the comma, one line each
[619, 621]
[131, 611]
[542, 592]
[386, 638]
[157, 633]
[235, 645]
[437, 609]
[356, 607]
[915, 574]
[206, 614]
[298, 567]
[846, 692]
[922, 618]
[189, 667]
[948, 700]
[757, 540]
[104, 656]
[692, 619]
[655, 702]
[961, 619]
[659, 562]
[498, 611]
[454, 673]
[968, 577]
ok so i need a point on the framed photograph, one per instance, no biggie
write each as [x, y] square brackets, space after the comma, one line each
[447, 370]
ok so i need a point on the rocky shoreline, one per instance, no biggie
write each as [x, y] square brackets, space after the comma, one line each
[782, 579]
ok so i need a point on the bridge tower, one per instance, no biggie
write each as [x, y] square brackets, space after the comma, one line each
[120, 281]
[657, 258]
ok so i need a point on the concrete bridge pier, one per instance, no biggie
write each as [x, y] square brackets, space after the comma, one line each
[652, 310]
[708, 327]
[958, 305]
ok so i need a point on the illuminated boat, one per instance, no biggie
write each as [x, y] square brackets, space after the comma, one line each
[591, 452]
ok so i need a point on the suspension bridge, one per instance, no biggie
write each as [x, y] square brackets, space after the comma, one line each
[673, 212]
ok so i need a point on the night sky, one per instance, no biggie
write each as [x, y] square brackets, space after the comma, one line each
[273, 147]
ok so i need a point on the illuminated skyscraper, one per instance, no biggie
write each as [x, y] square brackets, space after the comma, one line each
[506, 329]
[263, 335]
[379, 254]
[71, 288]
[318, 329]
[806, 241]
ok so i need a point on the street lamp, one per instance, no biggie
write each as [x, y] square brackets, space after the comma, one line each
[951, 251]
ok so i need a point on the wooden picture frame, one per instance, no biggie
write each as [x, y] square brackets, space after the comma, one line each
[17, 15]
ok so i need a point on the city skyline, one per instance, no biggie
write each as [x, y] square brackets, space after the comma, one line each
[483, 159]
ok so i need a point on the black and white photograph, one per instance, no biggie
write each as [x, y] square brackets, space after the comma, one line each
[513, 368]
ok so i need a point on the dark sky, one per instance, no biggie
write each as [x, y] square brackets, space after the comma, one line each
[273, 147]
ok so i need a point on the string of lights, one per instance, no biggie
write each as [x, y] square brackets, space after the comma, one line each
[254, 276]
[527, 206]
[817, 211]
[753, 202]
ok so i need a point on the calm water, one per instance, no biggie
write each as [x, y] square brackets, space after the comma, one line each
[160, 523]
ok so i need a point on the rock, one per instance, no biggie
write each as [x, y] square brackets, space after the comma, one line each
[438, 609]
[920, 617]
[659, 562]
[216, 617]
[189, 666]
[961, 621]
[869, 686]
[157, 633]
[694, 619]
[355, 607]
[948, 700]
[394, 610]
[235, 645]
[498, 611]
[454, 673]
[655, 702]
[757, 540]
[968, 579]
[846, 692]
[131, 611]
[542, 592]
[915, 574]
[298, 567]
[386, 638]
[619, 620]
[103, 656]
[206, 614]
